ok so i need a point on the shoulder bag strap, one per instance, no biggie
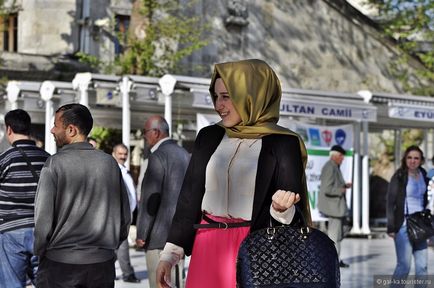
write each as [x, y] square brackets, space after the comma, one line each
[32, 169]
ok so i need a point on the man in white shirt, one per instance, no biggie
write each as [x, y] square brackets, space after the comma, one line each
[120, 153]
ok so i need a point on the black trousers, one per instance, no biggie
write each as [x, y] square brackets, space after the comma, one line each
[52, 274]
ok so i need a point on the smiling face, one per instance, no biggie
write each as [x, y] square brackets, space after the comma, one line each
[224, 106]
[59, 131]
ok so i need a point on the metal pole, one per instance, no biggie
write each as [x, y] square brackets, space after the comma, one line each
[365, 181]
[125, 88]
[168, 111]
[13, 91]
[84, 96]
[356, 181]
[432, 145]
[425, 148]
[47, 91]
[397, 148]
[81, 83]
[167, 85]
[50, 144]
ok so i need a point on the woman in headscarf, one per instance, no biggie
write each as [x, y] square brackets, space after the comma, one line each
[244, 171]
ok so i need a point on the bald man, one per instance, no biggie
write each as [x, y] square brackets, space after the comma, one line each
[160, 190]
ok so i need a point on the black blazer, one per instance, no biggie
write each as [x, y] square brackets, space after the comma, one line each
[279, 167]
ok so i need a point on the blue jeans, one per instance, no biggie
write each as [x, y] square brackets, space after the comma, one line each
[16, 257]
[404, 250]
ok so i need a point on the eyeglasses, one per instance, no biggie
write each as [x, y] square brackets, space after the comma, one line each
[147, 130]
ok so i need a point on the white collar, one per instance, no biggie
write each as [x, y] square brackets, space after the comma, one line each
[155, 147]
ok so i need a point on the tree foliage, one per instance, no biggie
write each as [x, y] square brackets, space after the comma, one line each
[411, 23]
[6, 6]
[161, 34]
[106, 138]
[3, 8]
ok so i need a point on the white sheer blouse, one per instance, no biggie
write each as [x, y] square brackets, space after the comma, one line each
[230, 178]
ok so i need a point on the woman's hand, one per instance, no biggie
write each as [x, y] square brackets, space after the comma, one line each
[283, 200]
[163, 274]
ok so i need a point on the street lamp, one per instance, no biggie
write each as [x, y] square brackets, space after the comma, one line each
[167, 85]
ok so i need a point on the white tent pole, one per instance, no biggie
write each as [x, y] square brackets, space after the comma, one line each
[356, 181]
[167, 84]
[125, 87]
[47, 92]
[365, 181]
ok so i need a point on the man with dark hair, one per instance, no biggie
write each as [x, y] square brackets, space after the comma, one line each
[82, 211]
[20, 167]
[160, 190]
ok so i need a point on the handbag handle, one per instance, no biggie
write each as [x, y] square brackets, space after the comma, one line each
[303, 219]
[304, 229]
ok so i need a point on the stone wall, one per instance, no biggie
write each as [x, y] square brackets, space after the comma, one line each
[324, 45]
[312, 44]
[47, 27]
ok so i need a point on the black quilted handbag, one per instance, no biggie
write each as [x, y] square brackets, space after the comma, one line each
[286, 256]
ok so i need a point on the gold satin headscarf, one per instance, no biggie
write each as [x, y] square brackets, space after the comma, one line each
[255, 93]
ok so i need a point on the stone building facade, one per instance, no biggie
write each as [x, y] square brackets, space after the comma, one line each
[313, 44]
[324, 45]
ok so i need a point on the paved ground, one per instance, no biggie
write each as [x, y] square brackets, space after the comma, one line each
[367, 257]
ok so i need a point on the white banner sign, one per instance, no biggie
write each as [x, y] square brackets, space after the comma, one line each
[411, 112]
[318, 141]
[320, 109]
[324, 110]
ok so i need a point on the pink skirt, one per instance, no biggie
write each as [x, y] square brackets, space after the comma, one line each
[214, 255]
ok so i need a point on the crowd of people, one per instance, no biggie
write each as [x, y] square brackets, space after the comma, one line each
[65, 218]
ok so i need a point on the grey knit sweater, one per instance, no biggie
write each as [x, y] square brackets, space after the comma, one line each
[81, 210]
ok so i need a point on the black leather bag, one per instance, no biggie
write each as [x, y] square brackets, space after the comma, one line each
[286, 256]
[420, 226]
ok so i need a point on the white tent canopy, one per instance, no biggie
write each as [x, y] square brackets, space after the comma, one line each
[137, 97]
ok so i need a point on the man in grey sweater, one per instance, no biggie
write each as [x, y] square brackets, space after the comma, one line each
[82, 212]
